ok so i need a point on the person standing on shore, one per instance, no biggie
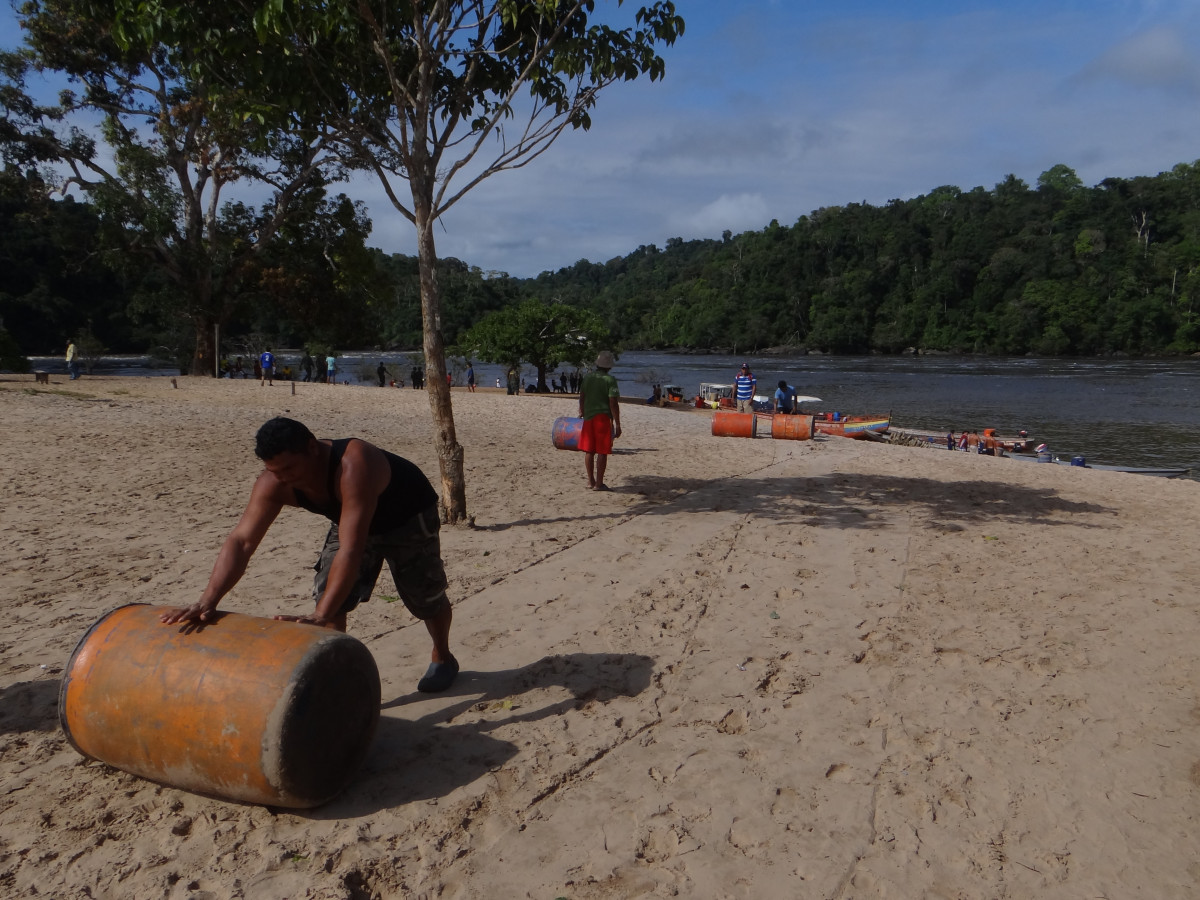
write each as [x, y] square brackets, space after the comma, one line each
[381, 507]
[383, 373]
[744, 384]
[470, 377]
[600, 409]
[306, 365]
[72, 361]
[266, 362]
[330, 368]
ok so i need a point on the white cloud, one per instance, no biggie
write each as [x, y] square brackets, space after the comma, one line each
[735, 212]
[1157, 58]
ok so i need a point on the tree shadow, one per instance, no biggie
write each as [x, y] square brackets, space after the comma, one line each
[840, 500]
[29, 706]
[857, 501]
[429, 756]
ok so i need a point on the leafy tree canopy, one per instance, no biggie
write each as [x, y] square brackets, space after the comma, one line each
[416, 92]
[543, 334]
[138, 136]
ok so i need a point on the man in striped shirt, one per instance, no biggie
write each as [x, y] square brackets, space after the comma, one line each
[743, 389]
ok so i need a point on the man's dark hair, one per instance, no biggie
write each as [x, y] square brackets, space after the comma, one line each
[281, 435]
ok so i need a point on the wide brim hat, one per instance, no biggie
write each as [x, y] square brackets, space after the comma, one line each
[605, 360]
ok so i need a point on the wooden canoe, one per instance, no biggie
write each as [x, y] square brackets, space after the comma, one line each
[857, 427]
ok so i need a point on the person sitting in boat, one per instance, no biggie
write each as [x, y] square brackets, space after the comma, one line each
[785, 399]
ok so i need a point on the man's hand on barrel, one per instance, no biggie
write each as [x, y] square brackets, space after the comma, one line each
[199, 613]
[314, 619]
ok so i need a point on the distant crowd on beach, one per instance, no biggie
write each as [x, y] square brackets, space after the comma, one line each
[265, 368]
[318, 370]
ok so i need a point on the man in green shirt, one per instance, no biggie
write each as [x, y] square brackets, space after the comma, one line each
[601, 413]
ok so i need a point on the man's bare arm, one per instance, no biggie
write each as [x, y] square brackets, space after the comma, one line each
[266, 499]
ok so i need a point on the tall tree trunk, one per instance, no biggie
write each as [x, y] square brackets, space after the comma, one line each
[450, 452]
[203, 319]
[206, 349]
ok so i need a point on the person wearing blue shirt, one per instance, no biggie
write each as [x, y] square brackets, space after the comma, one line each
[743, 389]
[785, 399]
[266, 361]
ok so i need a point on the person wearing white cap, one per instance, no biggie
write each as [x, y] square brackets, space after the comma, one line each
[601, 413]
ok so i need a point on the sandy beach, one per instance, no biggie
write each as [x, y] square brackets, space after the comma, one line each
[754, 669]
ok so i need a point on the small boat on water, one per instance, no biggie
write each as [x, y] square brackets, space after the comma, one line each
[991, 441]
[715, 396]
[1078, 462]
[857, 427]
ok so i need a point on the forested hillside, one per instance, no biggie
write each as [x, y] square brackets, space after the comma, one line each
[1059, 269]
[1054, 269]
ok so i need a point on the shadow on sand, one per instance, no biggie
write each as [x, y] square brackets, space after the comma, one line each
[840, 501]
[427, 757]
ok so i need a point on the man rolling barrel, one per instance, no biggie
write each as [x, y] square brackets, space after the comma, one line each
[382, 508]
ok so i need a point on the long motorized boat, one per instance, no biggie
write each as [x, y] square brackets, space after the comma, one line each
[1020, 444]
[1079, 463]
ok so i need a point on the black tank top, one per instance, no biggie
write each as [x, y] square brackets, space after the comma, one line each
[408, 492]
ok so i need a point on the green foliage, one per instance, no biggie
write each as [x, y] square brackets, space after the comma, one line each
[11, 357]
[470, 293]
[1060, 270]
[542, 334]
[162, 190]
[55, 277]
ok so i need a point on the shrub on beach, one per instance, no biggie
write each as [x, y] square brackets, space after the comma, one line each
[11, 358]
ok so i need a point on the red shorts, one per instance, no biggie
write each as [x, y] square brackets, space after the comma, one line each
[596, 436]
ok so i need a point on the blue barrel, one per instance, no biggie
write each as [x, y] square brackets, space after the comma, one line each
[1079, 461]
[566, 432]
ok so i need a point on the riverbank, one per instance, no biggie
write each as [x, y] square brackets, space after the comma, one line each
[754, 669]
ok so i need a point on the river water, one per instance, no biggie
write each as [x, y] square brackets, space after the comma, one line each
[1110, 411]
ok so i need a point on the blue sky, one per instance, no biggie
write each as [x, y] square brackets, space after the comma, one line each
[773, 108]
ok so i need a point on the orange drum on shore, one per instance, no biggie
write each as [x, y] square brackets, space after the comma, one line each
[566, 432]
[243, 708]
[792, 428]
[727, 423]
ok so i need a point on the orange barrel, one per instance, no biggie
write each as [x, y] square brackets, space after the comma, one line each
[726, 423]
[566, 432]
[243, 708]
[792, 428]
